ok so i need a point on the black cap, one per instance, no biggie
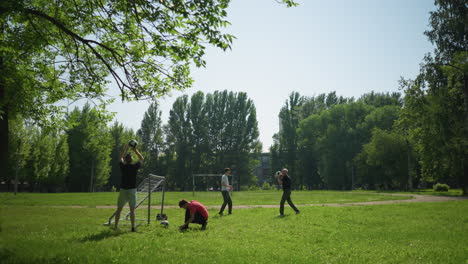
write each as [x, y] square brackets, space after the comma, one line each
[182, 202]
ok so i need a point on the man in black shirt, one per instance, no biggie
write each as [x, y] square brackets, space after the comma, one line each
[283, 179]
[128, 184]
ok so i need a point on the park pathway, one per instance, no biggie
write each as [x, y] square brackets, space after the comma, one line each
[416, 198]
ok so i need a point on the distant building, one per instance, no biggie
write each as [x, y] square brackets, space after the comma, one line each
[263, 171]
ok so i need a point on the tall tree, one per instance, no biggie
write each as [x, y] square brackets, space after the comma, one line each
[317, 104]
[62, 50]
[382, 99]
[383, 161]
[151, 137]
[300, 159]
[217, 113]
[54, 51]
[449, 33]
[289, 122]
[242, 132]
[61, 163]
[233, 133]
[307, 158]
[179, 138]
[334, 137]
[199, 136]
[20, 143]
[41, 159]
[213, 132]
[275, 161]
[90, 147]
[436, 103]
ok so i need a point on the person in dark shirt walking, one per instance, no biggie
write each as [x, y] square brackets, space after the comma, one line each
[284, 179]
[128, 184]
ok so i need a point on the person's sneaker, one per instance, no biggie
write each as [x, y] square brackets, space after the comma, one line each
[203, 227]
[281, 215]
[298, 212]
[133, 229]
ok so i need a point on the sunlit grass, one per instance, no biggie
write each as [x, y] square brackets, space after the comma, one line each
[398, 233]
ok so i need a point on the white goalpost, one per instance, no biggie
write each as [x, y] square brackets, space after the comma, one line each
[231, 180]
[151, 184]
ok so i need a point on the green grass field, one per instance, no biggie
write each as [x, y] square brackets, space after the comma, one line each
[207, 198]
[396, 233]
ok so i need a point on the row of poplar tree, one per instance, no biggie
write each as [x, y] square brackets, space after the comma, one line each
[374, 142]
[204, 134]
[385, 141]
[334, 142]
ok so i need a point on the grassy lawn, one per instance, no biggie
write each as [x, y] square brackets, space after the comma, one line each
[397, 233]
[207, 198]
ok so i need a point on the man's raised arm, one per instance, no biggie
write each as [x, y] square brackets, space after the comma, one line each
[138, 154]
[122, 153]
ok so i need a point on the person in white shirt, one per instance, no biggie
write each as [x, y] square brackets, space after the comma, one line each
[225, 188]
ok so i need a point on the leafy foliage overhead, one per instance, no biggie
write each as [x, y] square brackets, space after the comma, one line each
[68, 49]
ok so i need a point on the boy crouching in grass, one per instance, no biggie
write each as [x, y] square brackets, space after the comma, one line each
[195, 212]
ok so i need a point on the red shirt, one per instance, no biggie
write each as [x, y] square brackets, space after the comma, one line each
[195, 206]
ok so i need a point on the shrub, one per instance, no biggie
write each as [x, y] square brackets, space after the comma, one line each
[267, 186]
[254, 188]
[440, 187]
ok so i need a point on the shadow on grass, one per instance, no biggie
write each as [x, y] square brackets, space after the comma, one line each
[8, 256]
[102, 235]
[5, 253]
[193, 229]
[281, 217]
[221, 216]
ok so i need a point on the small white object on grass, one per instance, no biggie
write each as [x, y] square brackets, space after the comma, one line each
[165, 223]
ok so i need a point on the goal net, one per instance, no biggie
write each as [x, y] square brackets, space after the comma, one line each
[150, 189]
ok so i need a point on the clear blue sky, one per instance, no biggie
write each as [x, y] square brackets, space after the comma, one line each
[351, 47]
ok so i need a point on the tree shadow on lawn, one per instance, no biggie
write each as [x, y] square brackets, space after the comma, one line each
[102, 235]
[6, 253]
[8, 256]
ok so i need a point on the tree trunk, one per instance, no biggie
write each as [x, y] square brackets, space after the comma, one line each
[464, 181]
[92, 177]
[3, 124]
[410, 176]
